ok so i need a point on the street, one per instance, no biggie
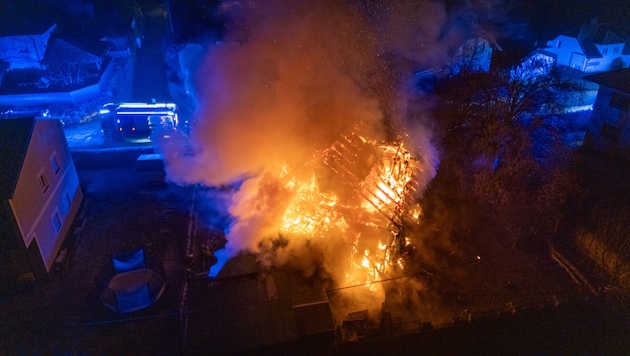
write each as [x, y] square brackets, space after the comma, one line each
[149, 78]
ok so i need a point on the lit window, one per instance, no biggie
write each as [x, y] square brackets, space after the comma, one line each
[43, 181]
[54, 162]
[57, 222]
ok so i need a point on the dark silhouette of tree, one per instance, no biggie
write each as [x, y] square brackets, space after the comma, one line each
[605, 240]
[502, 136]
[469, 57]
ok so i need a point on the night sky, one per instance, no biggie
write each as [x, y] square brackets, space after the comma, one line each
[549, 18]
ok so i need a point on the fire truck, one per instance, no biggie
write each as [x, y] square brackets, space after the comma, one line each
[138, 120]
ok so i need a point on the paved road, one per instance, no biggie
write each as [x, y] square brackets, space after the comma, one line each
[149, 78]
[147, 75]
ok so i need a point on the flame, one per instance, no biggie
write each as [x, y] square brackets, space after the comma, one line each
[383, 193]
[312, 212]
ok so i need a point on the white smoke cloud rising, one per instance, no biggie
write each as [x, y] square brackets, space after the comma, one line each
[287, 80]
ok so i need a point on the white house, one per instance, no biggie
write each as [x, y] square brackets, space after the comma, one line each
[40, 195]
[592, 48]
[475, 55]
[538, 62]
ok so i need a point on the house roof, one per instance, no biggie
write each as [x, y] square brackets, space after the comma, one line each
[591, 35]
[590, 49]
[15, 135]
[62, 52]
[618, 79]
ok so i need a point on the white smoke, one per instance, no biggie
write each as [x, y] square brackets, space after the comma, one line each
[287, 80]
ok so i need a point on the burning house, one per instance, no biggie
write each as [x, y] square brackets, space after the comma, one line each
[360, 191]
[357, 194]
[345, 225]
[310, 127]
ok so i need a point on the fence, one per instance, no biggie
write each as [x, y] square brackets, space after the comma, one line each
[70, 97]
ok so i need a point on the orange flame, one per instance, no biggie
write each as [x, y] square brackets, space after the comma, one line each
[383, 192]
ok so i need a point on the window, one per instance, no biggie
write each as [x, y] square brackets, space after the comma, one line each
[56, 220]
[605, 50]
[66, 203]
[616, 50]
[54, 162]
[558, 44]
[43, 181]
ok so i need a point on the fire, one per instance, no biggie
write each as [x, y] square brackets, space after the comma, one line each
[312, 212]
[382, 203]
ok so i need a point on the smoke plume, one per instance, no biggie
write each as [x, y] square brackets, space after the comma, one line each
[287, 80]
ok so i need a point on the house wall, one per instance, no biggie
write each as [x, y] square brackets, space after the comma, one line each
[479, 51]
[612, 59]
[610, 124]
[566, 49]
[570, 54]
[475, 54]
[536, 64]
[44, 216]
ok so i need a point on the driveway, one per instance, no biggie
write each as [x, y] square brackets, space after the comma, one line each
[149, 78]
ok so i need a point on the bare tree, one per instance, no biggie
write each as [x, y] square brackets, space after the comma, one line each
[471, 57]
[72, 74]
[504, 130]
[606, 242]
